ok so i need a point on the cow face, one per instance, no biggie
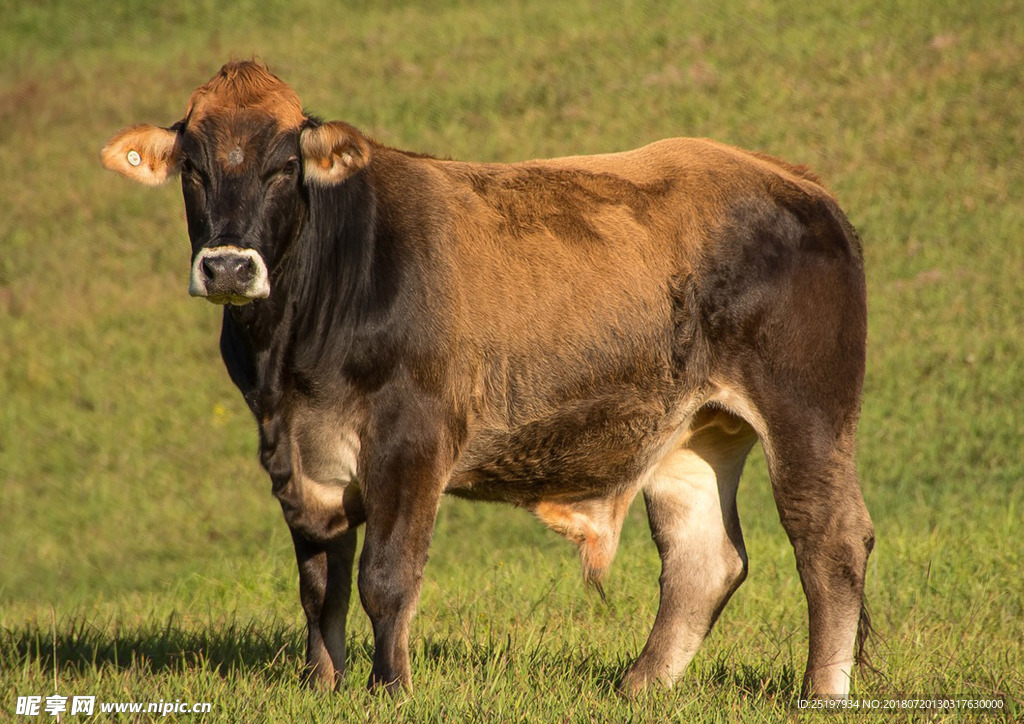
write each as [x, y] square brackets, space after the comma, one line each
[246, 155]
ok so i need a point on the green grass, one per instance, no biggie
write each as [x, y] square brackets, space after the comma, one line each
[141, 554]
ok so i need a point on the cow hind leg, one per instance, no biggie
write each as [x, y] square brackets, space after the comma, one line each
[801, 391]
[789, 330]
[814, 480]
[691, 505]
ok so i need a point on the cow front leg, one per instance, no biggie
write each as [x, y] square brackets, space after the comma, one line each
[325, 588]
[401, 497]
[691, 506]
[390, 575]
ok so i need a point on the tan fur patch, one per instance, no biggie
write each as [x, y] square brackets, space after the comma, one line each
[247, 85]
[593, 525]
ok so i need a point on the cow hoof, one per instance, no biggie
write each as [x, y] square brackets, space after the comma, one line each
[321, 678]
[393, 688]
[633, 683]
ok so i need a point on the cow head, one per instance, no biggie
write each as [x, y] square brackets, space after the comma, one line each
[246, 154]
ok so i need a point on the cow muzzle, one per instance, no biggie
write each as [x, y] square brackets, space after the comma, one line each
[229, 275]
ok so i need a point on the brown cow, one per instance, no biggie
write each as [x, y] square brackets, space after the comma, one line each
[557, 334]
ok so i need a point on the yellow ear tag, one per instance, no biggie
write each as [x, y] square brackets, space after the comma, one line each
[134, 158]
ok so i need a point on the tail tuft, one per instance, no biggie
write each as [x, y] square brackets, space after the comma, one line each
[597, 586]
[866, 634]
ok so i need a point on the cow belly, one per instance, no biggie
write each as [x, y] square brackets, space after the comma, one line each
[582, 484]
[588, 450]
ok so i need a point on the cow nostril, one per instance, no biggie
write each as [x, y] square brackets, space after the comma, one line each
[244, 269]
[211, 267]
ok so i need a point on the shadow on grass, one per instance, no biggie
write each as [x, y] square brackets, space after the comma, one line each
[253, 648]
[274, 652]
[504, 658]
[590, 669]
[763, 681]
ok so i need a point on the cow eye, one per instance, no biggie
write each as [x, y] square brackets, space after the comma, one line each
[285, 172]
[189, 171]
[290, 168]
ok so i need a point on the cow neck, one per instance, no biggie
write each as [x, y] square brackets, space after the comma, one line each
[319, 292]
[331, 273]
[256, 338]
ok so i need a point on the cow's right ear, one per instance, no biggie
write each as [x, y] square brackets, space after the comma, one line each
[333, 152]
[143, 153]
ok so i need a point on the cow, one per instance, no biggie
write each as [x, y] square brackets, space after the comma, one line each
[557, 334]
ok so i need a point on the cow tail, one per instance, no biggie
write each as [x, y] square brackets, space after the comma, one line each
[867, 637]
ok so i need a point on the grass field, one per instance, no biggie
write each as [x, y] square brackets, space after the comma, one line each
[142, 557]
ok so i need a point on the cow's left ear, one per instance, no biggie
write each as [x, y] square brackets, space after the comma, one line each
[332, 152]
[143, 153]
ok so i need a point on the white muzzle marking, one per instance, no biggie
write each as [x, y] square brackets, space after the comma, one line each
[257, 288]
